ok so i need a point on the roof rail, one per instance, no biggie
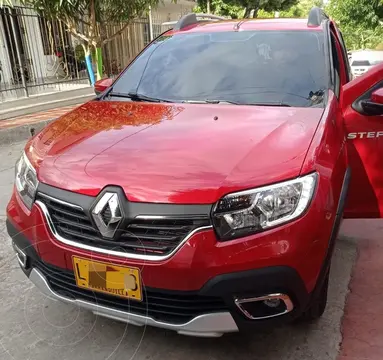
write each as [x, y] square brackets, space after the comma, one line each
[191, 19]
[168, 23]
[316, 16]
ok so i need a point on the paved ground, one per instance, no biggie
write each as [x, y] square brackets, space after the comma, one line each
[36, 117]
[363, 319]
[34, 327]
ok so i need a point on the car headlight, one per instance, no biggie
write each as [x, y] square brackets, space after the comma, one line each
[26, 181]
[251, 211]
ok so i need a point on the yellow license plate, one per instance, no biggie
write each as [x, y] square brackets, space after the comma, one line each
[107, 278]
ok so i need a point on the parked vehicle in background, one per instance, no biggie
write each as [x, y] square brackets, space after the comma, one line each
[364, 60]
[202, 190]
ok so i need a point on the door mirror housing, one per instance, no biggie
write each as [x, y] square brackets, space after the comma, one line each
[374, 105]
[101, 85]
[377, 96]
[357, 93]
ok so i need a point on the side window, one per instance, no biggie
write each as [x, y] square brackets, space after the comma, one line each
[336, 65]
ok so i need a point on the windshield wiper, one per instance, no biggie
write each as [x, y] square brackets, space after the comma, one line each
[271, 104]
[137, 97]
[208, 101]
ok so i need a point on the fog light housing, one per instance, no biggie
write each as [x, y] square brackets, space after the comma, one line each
[272, 303]
[264, 307]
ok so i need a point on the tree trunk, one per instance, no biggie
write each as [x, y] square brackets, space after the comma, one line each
[95, 40]
[92, 27]
[105, 51]
[99, 62]
[208, 6]
[106, 62]
[255, 13]
[247, 12]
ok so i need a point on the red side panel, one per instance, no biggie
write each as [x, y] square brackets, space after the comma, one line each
[365, 150]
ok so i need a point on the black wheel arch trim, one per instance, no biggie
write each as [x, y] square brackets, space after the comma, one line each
[334, 233]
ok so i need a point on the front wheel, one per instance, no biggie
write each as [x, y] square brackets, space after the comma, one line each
[317, 304]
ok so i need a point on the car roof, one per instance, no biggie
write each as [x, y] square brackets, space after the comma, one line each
[247, 25]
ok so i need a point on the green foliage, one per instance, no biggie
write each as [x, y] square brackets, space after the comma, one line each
[221, 7]
[79, 53]
[361, 38]
[359, 20]
[300, 10]
[239, 8]
[364, 13]
[85, 18]
[273, 5]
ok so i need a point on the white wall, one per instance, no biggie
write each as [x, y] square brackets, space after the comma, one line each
[4, 59]
[33, 47]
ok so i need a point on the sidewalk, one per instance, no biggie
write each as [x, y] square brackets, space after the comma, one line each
[362, 326]
[35, 118]
[21, 128]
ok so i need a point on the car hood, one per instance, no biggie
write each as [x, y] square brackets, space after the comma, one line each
[172, 153]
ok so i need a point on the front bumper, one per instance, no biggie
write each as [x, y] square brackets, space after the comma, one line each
[221, 316]
[200, 257]
[206, 325]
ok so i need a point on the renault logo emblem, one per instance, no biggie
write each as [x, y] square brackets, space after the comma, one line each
[107, 214]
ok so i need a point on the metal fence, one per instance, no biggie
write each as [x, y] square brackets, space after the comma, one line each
[118, 53]
[38, 55]
[121, 50]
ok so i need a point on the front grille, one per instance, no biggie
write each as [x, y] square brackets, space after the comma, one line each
[168, 306]
[141, 236]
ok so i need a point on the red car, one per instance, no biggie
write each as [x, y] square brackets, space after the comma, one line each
[203, 190]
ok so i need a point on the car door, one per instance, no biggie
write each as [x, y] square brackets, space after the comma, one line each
[361, 102]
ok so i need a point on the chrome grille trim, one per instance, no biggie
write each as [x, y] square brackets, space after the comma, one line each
[60, 201]
[63, 240]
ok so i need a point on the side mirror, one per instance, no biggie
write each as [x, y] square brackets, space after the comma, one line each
[101, 85]
[374, 105]
[377, 96]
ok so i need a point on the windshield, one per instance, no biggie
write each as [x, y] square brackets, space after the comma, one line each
[245, 67]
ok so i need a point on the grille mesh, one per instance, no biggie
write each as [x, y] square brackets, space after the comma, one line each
[141, 236]
[169, 306]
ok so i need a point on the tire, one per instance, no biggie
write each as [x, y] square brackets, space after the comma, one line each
[317, 305]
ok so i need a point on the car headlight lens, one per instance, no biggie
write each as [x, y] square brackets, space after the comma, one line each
[26, 181]
[251, 211]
